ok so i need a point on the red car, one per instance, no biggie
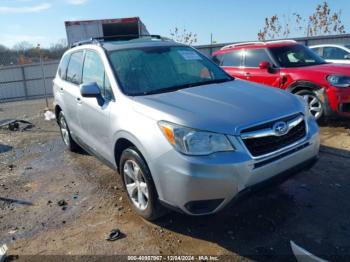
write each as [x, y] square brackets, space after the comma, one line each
[292, 67]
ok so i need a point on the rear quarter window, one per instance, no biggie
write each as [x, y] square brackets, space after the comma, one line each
[217, 59]
[233, 58]
[62, 68]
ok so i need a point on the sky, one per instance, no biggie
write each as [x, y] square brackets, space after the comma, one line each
[42, 21]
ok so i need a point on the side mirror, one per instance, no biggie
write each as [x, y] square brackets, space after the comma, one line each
[264, 65]
[347, 56]
[90, 90]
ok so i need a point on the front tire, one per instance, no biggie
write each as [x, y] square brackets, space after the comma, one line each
[139, 185]
[316, 107]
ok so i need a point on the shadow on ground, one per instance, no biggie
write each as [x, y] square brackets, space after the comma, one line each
[311, 209]
[335, 122]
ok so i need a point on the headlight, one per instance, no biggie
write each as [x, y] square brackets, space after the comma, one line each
[339, 80]
[194, 142]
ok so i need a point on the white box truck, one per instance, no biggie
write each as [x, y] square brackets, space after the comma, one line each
[84, 30]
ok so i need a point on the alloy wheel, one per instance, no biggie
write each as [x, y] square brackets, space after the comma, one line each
[136, 185]
[315, 105]
[64, 131]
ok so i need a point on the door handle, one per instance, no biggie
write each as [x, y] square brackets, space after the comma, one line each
[78, 99]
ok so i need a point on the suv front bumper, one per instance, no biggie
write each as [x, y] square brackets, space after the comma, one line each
[206, 184]
[337, 102]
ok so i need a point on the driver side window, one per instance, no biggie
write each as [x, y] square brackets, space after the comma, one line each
[93, 71]
[334, 53]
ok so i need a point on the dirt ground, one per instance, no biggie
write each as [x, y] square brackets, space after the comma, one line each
[312, 208]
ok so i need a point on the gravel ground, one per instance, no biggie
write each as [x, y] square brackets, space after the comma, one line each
[36, 172]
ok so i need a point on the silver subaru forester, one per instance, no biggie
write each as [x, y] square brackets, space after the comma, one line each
[181, 132]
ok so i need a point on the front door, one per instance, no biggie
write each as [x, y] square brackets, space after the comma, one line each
[252, 71]
[94, 113]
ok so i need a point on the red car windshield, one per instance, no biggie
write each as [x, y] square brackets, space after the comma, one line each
[295, 56]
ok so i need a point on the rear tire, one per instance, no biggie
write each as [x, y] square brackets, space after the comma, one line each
[139, 185]
[316, 107]
[65, 134]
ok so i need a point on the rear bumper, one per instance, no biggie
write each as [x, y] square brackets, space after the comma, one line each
[205, 185]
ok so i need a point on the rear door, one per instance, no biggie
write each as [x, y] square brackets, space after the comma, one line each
[251, 71]
[94, 113]
[70, 91]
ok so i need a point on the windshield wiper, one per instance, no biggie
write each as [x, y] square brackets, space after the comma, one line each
[179, 87]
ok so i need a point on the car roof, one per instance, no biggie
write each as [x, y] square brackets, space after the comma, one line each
[255, 45]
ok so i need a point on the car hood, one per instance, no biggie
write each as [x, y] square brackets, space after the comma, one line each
[224, 108]
[327, 69]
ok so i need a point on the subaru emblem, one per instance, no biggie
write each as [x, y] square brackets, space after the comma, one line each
[280, 128]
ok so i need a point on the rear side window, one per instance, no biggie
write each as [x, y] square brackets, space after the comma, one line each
[62, 69]
[253, 57]
[232, 58]
[94, 72]
[75, 67]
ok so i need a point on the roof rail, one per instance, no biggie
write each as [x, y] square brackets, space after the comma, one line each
[242, 44]
[98, 40]
[85, 42]
[257, 43]
[281, 41]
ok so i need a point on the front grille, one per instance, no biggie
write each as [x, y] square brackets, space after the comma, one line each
[268, 144]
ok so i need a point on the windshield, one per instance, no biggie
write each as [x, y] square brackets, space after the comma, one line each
[347, 46]
[151, 70]
[295, 56]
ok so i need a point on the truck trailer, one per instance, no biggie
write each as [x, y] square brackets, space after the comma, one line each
[78, 31]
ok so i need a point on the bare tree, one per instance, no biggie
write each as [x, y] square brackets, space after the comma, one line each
[183, 36]
[23, 46]
[26, 53]
[57, 49]
[322, 22]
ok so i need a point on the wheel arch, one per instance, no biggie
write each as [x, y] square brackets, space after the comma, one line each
[123, 141]
[303, 85]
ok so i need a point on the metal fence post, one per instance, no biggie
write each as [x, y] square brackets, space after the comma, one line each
[44, 80]
[24, 83]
